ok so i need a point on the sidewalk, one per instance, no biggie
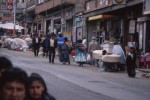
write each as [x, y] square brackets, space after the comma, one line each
[143, 72]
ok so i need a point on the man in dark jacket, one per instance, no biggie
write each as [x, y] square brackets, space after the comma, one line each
[36, 44]
[45, 46]
[52, 45]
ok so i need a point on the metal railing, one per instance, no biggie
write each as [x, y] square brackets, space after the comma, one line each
[30, 3]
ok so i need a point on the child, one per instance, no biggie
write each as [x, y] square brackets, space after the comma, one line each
[37, 89]
[147, 59]
[142, 58]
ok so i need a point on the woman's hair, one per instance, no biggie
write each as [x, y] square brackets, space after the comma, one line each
[65, 39]
[79, 41]
[5, 63]
[36, 77]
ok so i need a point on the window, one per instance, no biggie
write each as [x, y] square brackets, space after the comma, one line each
[40, 1]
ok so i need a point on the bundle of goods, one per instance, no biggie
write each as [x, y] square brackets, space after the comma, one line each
[111, 62]
[97, 54]
[113, 58]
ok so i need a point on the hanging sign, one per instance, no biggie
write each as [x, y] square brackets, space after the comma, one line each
[9, 4]
[119, 1]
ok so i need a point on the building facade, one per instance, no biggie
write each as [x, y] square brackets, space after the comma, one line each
[124, 21]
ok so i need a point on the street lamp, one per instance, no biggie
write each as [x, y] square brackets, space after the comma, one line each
[14, 9]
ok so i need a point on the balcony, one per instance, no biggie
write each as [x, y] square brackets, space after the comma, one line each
[97, 4]
[20, 7]
[30, 5]
[48, 5]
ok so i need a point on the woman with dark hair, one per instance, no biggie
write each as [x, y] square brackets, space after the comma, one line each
[80, 53]
[37, 89]
[65, 50]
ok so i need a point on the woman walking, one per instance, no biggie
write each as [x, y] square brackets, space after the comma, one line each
[80, 54]
[65, 50]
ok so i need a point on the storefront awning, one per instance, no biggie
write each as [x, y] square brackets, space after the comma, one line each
[102, 16]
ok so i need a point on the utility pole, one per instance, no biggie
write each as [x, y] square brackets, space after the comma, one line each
[14, 9]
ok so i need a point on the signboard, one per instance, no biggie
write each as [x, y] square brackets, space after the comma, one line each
[119, 1]
[146, 7]
[9, 4]
[132, 26]
[74, 35]
[28, 18]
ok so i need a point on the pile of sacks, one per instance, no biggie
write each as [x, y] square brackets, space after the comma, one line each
[17, 43]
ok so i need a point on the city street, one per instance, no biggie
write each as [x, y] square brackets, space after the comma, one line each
[73, 82]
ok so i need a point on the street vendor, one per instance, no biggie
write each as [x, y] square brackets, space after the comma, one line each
[117, 49]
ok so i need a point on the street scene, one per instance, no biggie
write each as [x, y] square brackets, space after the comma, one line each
[72, 82]
[74, 49]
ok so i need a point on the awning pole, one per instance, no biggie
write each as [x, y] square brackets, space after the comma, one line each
[14, 6]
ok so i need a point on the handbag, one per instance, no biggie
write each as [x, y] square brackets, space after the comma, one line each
[88, 57]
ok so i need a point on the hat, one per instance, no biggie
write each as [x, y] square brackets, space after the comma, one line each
[59, 33]
[93, 38]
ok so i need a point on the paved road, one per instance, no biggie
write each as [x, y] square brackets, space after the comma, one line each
[71, 82]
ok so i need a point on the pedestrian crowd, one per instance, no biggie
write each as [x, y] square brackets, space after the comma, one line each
[80, 52]
[52, 44]
[15, 84]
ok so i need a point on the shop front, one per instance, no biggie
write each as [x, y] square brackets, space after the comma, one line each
[143, 30]
[102, 27]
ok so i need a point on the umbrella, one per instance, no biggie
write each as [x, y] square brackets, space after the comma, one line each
[10, 26]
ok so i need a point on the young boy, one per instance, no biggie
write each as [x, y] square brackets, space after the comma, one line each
[13, 84]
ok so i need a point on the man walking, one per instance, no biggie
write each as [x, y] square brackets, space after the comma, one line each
[60, 41]
[36, 44]
[52, 45]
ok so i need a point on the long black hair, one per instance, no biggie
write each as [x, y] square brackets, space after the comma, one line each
[45, 94]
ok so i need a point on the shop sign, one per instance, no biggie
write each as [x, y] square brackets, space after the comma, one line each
[119, 1]
[28, 18]
[132, 26]
[146, 7]
[9, 4]
[3, 7]
[142, 19]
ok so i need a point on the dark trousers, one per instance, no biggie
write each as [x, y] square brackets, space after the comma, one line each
[36, 50]
[51, 55]
[131, 71]
[45, 52]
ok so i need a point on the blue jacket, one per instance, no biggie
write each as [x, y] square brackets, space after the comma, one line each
[60, 41]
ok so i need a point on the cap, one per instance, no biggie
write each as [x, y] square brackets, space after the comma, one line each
[59, 32]
[93, 38]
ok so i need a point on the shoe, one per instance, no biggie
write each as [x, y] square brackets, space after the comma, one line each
[68, 63]
[64, 63]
